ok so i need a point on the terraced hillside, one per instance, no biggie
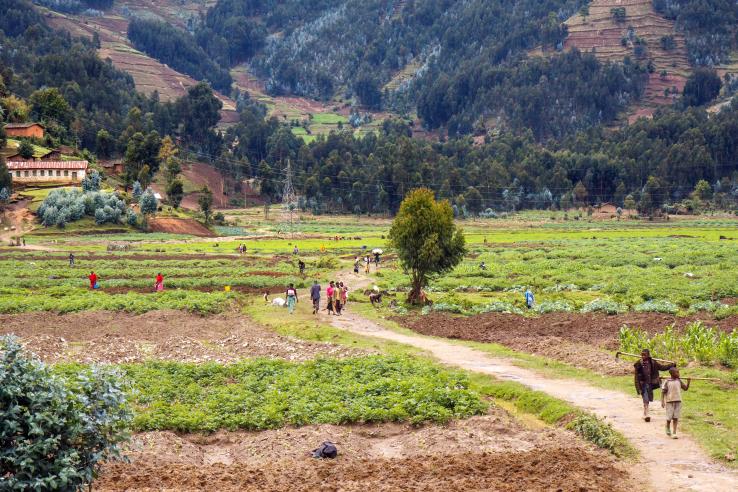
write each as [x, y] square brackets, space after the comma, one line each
[149, 74]
[612, 40]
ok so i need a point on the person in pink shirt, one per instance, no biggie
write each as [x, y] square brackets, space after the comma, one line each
[330, 293]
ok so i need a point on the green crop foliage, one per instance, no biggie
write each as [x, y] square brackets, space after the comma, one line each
[65, 300]
[697, 343]
[267, 394]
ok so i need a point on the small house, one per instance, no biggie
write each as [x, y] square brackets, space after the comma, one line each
[26, 130]
[47, 171]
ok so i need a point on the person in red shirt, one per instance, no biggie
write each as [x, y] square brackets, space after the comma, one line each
[93, 280]
[159, 282]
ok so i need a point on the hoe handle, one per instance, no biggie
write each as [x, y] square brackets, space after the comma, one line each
[617, 356]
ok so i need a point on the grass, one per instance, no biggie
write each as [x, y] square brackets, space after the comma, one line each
[555, 412]
[710, 413]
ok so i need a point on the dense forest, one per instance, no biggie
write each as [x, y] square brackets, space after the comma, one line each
[51, 77]
[472, 69]
[648, 164]
[551, 151]
[710, 27]
[179, 50]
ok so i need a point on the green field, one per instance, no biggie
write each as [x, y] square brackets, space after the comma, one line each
[681, 268]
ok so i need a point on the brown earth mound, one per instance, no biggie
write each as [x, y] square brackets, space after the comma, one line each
[179, 226]
[579, 339]
[113, 337]
[379, 457]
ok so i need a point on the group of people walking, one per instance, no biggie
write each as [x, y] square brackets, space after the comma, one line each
[336, 294]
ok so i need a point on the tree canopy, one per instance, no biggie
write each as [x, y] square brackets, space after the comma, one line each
[427, 241]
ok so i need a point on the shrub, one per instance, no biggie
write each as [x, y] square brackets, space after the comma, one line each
[498, 307]
[554, 307]
[604, 306]
[68, 205]
[148, 203]
[137, 191]
[660, 306]
[58, 431]
[91, 181]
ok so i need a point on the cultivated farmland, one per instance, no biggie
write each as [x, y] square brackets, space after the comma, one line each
[218, 371]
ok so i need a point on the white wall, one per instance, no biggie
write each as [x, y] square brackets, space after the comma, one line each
[49, 175]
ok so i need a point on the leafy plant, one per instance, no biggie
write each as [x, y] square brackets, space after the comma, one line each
[56, 432]
[267, 394]
[660, 306]
[601, 434]
[696, 343]
[604, 306]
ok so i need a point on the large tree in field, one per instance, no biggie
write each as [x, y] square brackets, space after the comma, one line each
[427, 241]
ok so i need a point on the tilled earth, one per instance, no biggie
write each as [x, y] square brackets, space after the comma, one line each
[490, 452]
[578, 339]
[115, 337]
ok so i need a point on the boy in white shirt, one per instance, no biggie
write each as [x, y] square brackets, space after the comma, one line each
[671, 399]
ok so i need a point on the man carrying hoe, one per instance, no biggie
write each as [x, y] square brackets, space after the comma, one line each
[647, 379]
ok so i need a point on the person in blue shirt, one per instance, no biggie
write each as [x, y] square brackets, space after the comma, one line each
[529, 298]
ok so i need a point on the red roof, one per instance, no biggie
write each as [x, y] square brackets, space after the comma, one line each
[13, 165]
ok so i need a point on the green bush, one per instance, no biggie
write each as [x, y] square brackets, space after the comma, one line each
[54, 433]
[266, 394]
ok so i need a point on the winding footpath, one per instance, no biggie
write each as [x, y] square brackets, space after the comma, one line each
[669, 464]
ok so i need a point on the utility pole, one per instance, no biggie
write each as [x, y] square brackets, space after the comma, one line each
[289, 198]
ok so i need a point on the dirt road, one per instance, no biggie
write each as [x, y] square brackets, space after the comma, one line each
[669, 464]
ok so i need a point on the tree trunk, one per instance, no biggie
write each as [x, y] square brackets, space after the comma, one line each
[416, 295]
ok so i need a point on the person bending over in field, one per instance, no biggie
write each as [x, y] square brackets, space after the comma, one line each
[301, 266]
[647, 379]
[671, 399]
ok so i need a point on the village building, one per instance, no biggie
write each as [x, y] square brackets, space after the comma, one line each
[24, 172]
[24, 130]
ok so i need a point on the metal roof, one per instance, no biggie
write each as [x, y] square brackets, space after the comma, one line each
[20, 165]
[22, 125]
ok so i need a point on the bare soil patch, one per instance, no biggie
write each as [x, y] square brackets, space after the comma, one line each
[578, 339]
[505, 456]
[201, 174]
[179, 226]
[113, 337]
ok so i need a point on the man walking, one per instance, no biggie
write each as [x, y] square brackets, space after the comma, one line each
[315, 296]
[71, 259]
[647, 379]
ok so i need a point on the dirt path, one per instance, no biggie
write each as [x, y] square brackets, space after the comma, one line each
[670, 464]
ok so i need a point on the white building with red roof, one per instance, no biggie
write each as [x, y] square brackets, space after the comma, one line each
[47, 171]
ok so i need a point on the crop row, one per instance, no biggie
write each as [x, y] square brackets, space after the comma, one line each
[66, 300]
[267, 394]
